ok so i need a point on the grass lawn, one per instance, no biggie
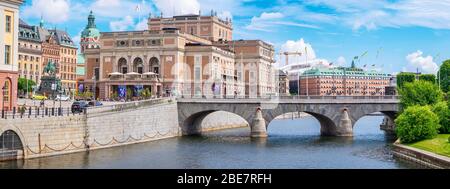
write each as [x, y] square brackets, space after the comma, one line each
[438, 145]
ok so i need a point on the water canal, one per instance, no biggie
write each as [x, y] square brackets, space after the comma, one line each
[291, 144]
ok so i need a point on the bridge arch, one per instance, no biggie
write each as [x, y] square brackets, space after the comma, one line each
[11, 145]
[195, 123]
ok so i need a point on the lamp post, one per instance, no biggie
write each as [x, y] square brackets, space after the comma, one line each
[3, 97]
[94, 88]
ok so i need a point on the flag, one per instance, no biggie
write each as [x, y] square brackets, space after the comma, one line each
[378, 52]
[364, 54]
[138, 8]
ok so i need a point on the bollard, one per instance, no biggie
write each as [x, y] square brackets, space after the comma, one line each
[3, 114]
[53, 111]
[29, 112]
[46, 112]
[36, 112]
[14, 112]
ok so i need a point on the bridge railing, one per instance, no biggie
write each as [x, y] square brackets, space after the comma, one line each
[293, 97]
[38, 112]
[128, 105]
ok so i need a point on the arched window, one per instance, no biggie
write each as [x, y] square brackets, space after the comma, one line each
[138, 65]
[154, 65]
[7, 94]
[123, 65]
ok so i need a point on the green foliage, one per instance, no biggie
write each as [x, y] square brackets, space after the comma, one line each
[417, 123]
[442, 110]
[428, 77]
[403, 78]
[22, 85]
[146, 93]
[129, 94]
[445, 76]
[115, 95]
[419, 93]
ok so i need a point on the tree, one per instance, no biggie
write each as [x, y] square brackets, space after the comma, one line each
[417, 123]
[444, 73]
[403, 78]
[22, 85]
[419, 93]
[442, 110]
[428, 77]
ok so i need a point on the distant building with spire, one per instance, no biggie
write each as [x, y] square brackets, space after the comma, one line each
[90, 36]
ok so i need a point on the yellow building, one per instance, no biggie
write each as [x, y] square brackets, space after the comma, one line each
[9, 18]
[30, 53]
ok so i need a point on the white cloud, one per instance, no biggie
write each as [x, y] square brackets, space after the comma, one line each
[177, 7]
[143, 25]
[340, 61]
[122, 25]
[372, 14]
[308, 55]
[53, 11]
[268, 21]
[417, 60]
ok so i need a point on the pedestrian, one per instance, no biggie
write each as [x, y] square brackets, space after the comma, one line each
[22, 109]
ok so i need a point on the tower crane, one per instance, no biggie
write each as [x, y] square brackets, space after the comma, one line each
[287, 54]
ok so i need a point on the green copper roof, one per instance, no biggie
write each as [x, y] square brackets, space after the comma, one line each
[343, 71]
[91, 30]
[81, 70]
[80, 59]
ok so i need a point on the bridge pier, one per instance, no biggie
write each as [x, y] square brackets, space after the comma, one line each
[345, 127]
[258, 126]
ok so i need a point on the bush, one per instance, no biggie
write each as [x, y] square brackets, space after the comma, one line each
[417, 123]
[420, 93]
[442, 111]
[403, 78]
[428, 77]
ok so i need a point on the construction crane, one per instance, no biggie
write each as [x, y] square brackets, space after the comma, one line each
[287, 54]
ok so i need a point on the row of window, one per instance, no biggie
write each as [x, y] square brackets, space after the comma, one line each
[29, 58]
[25, 45]
[25, 67]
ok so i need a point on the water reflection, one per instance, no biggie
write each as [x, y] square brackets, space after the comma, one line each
[291, 144]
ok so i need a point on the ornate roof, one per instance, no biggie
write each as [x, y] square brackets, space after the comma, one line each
[91, 30]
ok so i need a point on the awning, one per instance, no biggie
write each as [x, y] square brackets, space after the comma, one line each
[149, 73]
[115, 74]
[133, 73]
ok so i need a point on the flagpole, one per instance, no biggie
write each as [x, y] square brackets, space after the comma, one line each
[307, 78]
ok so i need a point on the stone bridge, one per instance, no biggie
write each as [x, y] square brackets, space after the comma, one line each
[337, 115]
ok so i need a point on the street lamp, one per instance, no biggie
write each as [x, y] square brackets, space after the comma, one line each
[95, 88]
[3, 97]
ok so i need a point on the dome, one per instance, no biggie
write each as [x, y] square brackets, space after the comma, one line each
[90, 33]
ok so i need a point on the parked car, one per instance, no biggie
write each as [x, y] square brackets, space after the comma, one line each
[79, 106]
[62, 98]
[97, 103]
[39, 97]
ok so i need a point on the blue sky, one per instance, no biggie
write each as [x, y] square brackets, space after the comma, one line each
[399, 35]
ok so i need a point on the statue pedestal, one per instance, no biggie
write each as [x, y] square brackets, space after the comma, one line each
[46, 86]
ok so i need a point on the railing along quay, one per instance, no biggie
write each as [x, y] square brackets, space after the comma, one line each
[38, 112]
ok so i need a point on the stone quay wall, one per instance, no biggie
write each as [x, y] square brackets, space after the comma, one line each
[420, 157]
[105, 127]
[102, 127]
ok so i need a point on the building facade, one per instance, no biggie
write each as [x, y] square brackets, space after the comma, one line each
[9, 51]
[185, 56]
[30, 53]
[59, 48]
[343, 82]
[208, 27]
